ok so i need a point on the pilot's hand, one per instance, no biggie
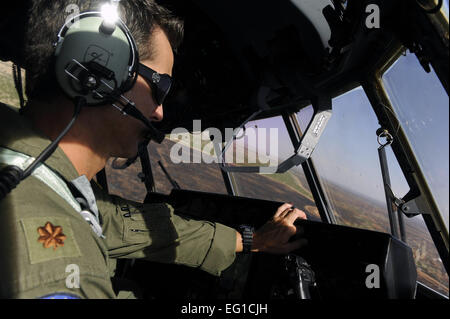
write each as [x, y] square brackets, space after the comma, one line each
[273, 237]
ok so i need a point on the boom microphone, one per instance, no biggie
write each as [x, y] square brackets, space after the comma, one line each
[153, 134]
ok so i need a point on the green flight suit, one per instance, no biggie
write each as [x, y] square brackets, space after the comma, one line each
[45, 243]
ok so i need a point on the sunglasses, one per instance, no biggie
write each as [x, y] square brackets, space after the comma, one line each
[160, 83]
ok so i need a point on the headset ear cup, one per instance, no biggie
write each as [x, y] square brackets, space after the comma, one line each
[93, 64]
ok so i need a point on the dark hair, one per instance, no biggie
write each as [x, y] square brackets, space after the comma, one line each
[46, 17]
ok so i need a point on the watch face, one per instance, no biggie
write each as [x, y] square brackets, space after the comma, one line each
[243, 228]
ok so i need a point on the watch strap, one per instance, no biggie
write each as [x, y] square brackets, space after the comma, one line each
[247, 238]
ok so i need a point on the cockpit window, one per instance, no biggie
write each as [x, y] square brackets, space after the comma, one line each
[421, 104]
[347, 161]
[430, 269]
[446, 7]
[267, 143]
[188, 161]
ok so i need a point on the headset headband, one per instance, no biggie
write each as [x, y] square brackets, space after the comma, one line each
[134, 55]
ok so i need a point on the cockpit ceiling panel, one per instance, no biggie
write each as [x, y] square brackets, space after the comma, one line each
[258, 22]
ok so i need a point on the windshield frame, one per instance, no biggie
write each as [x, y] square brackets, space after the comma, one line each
[420, 191]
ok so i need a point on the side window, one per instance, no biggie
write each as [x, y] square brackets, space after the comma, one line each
[421, 104]
[193, 173]
[346, 160]
[270, 138]
[126, 183]
[200, 173]
[430, 269]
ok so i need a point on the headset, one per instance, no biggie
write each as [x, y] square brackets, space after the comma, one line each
[96, 62]
[95, 58]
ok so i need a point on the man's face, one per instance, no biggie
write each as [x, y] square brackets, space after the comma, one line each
[129, 131]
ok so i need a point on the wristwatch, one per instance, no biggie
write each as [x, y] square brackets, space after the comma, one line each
[247, 237]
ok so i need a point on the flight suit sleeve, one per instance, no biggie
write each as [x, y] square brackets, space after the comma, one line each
[155, 233]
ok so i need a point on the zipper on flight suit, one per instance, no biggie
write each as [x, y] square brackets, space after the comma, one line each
[138, 231]
[128, 214]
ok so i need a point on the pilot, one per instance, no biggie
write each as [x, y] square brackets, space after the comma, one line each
[48, 248]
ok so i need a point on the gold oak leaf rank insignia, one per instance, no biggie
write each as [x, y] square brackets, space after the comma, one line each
[51, 236]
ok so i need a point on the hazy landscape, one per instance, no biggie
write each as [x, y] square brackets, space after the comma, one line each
[350, 209]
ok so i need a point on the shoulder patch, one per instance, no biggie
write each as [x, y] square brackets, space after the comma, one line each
[49, 238]
[60, 295]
